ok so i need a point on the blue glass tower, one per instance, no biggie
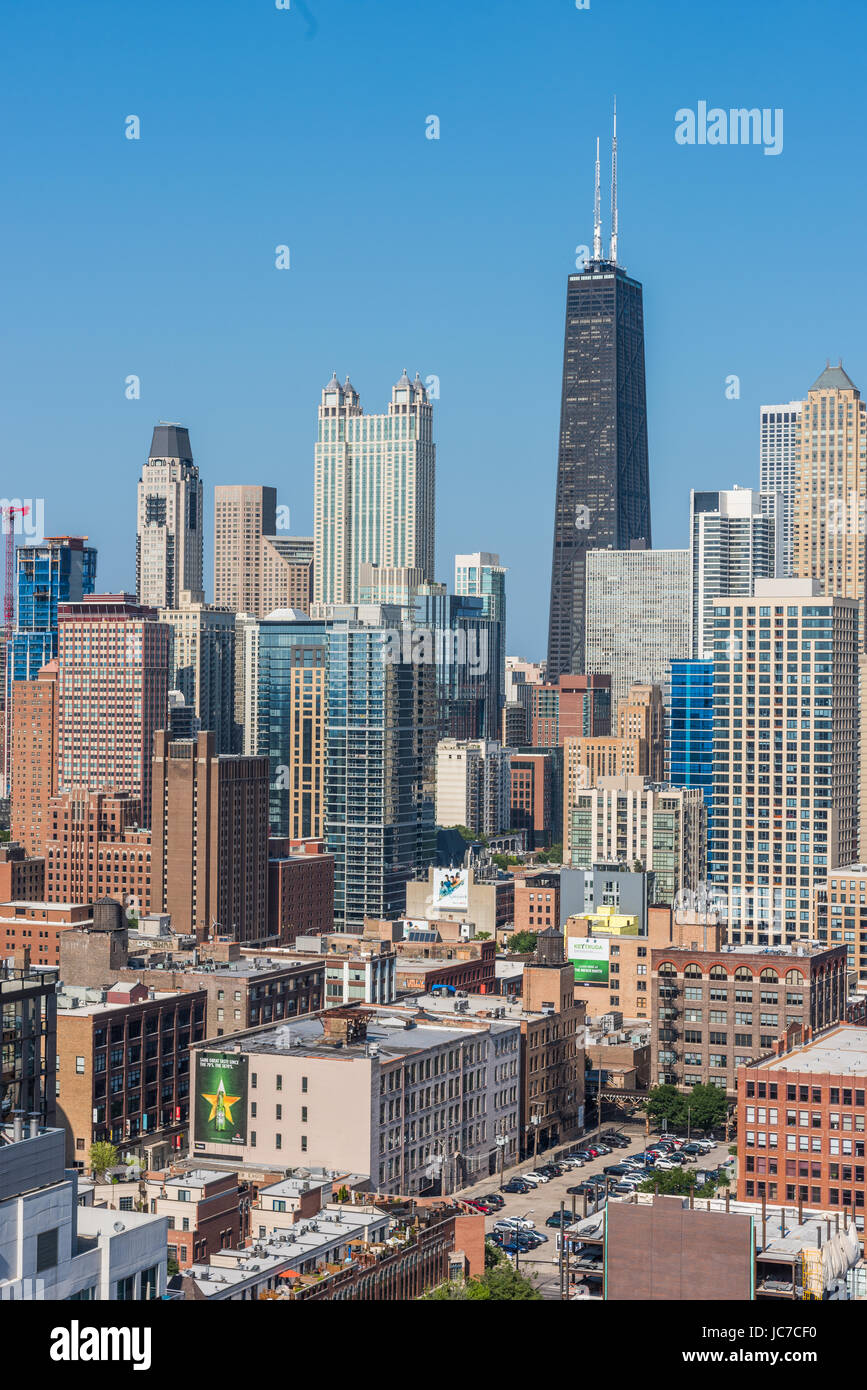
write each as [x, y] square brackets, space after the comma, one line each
[691, 729]
[60, 570]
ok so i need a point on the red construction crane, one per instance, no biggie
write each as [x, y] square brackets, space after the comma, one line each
[7, 516]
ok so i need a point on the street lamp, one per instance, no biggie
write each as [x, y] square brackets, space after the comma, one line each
[535, 1121]
[501, 1142]
[518, 1238]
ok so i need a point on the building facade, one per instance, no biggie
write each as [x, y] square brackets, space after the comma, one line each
[473, 785]
[735, 538]
[202, 665]
[95, 848]
[169, 534]
[33, 750]
[778, 455]
[637, 615]
[243, 514]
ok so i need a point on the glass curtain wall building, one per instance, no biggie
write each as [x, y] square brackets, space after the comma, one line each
[691, 730]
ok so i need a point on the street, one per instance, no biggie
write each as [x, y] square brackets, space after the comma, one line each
[544, 1200]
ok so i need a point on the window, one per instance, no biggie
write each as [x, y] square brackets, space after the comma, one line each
[79, 1066]
[278, 1141]
[125, 1289]
[304, 1114]
[46, 1249]
[279, 1082]
[304, 1083]
[303, 1143]
[279, 1112]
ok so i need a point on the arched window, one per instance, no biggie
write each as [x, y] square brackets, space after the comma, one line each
[666, 968]
[794, 977]
[717, 973]
[693, 972]
[743, 973]
[770, 976]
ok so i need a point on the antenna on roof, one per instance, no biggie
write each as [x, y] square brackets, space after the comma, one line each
[597, 213]
[613, 255]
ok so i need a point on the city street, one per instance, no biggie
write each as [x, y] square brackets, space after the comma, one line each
[545, 1199]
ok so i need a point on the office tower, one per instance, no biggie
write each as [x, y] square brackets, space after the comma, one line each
[626, 819]
[603, 493]
[246, 683]
[641, 714]
[210, 839]
[638, 604]
[374, 488]
[473, 669]
[288, 691]
[691, 730]
[735, 538]
[830, 536]
[113, 667]
[242, 516]
[381, 741]
[571, 707]
[785, 754]
[168, 557]
[532, 804]
[473, 785]
[286, 579]
[778, 455]
[183, 720]
[33, 745]
[202, 665]
[392, 584]
[60, 570]
[95, 848]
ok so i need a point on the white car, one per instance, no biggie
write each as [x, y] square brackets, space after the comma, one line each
[535, 1177]
[515, 1223]
[664, 1165]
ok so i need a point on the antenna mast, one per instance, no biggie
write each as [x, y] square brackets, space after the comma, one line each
[597, 213]
[613, 256]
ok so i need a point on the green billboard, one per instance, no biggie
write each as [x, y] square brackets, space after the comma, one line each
[221, 1098]
[589, 957]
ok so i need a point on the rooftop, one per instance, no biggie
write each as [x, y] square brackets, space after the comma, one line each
[394, 1035]
[840, 1052]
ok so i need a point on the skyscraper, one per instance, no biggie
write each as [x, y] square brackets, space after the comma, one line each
[638, 605]
[60, 570]
[785, 754]
[168, 555]
[112, 694]
[242, 516]
[691, 736]
[286, 579]
[202, 665]
[374, 488]
[482, 575]
[603, 493]
[830, 543]
[778, 454]
[735, 537]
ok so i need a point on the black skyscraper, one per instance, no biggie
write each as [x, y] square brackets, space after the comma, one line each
[603, 496]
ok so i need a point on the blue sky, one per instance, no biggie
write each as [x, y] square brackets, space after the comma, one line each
[306, 127]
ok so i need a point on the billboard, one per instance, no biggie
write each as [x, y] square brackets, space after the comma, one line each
[451, 888]
[221, 1098]
[589, 957]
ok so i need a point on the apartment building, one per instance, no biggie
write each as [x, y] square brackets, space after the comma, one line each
[22, 876]
[95, 848]
[38, 927]
[300, 888]
[28, 1016]
[714, 1012]
[33, 755]
[202, 1210]
[840, 914]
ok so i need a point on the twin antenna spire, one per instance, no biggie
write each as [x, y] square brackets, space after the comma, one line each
[597, 201]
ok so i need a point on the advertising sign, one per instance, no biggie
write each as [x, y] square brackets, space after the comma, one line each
[451, 888]
[589, 957]
[221, 1098]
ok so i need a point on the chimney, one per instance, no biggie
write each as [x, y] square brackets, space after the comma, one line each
[17, 1128]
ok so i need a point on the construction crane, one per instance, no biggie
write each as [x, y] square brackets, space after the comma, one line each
[7, 515]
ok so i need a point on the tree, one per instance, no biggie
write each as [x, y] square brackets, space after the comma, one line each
[553, 855]
[522, 942]
[677, 1182]
[172, 1267]
[666, 1103]
[708, 1106]
[482, 936]
[501, 1282]
[343, 1194]
[102, 1157]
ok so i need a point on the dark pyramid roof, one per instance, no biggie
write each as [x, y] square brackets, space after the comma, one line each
[170, 442]
[833, 377]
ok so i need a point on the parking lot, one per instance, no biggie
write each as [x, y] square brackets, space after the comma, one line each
[545, 1199]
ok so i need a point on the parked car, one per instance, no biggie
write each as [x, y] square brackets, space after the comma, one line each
[692, 1148]
[572, 1161]
[665, 1165]
[514, 1223]
[586, 1155]
[493, 1199]
[555, 1219]
[552, 1170]
[615, 1170]
[478, 1205]
[517, 1185]
[536, 1176]
[601, 1147]
[706, 1145]
[618, 1140]
[622, 1190]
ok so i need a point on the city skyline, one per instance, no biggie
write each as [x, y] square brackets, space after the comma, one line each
[245, 376]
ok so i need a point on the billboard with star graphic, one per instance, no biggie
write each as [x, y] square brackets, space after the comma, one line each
[221, 1098]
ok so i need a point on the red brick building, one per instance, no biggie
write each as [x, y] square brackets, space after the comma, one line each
[537, 902]
[300, 889]
[33, 756]
[22, 877]
[95, 848]
[576, 707]
[801, 1122]
[39, 925]
[532, 801]
[203, 1208]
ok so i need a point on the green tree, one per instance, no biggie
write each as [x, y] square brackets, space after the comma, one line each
[501, 1282]
[522, 942]
[172, 1267]
[666, 1103]
[708, 1106]
[102, 1157]
[482, 936]
[676, 1182]
[553, 855]
[343, 1194]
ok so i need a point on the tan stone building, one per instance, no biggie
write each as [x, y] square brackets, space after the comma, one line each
[243, 514]
[286, 579]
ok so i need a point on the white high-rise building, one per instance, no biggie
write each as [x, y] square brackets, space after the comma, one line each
[374, 488]
[473, 785]
[168, 557]
[735, 538]
[778, 468]
[637, 616]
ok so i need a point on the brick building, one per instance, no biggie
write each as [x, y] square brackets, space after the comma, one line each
[39, 927]
[33, 756]
[532, 800]
[95, 848]
[537, 902]
[123, 1068]
[801, 1122]
[203, 1209]
[22, 876]
[713, 1012]
[300, 888]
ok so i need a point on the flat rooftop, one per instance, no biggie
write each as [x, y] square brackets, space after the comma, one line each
[842, 1052]
[395, 1035]
[197, 1177]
